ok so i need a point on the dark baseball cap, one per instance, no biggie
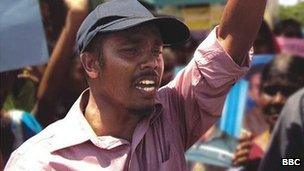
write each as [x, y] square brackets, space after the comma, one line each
[117, 15]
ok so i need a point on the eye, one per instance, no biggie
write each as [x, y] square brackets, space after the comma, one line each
[270, 90]
[130, 51]
[273, 90]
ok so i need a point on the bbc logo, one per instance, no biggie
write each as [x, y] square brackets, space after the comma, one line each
[291, 162]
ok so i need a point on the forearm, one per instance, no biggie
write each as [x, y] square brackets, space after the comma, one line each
[59, 62]
[239, 25]
[199, 90]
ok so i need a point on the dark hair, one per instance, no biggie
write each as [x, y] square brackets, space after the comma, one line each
[254, 70]
[264, 42]
[284, 70]
[288, 28]
[95, 47]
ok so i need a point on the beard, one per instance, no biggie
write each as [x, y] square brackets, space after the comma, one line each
[141, 112]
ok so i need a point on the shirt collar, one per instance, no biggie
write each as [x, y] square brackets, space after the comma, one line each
[74, 128]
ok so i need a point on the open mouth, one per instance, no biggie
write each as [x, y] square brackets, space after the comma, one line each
[147, 85]
[147, 82]
[273, 109]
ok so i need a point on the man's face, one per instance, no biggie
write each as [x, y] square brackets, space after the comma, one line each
[273, 97]
[132, 68]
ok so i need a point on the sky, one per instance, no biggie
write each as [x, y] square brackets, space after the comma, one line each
[288, 2]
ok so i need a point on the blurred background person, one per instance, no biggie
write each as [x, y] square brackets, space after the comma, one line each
[288, 136]
[265, 47]
[280, 78]
[265, 42]
[16, 125]
[169, 65]
[183, 53]
[44, 92]
[63, 79]
[290, 37]
[288, 28]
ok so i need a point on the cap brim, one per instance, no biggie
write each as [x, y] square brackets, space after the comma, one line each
[171, 29]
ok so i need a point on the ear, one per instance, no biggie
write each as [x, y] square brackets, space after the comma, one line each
[90, 64]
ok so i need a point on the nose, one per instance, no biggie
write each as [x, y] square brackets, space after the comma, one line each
[150, 61]
[279, 98]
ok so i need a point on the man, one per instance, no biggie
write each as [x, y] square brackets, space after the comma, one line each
[123, 121]
[280, 78]
[288, 136]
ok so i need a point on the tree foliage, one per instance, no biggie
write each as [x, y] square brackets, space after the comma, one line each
[295, 12]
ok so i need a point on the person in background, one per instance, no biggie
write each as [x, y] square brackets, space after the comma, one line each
[16, 125]
[169, 65]
[254, 122]
[19, 88]
[63, 79]
[23, 93]
[287, 140]
[280, 78]
[264, 45]
[265, 42]
[288, 28]
[53, 17]
[7, 137]
[183, 53]
[290, 37]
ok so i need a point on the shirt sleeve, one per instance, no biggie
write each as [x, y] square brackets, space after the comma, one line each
[193, 101]
[29, 156]
[26, 163]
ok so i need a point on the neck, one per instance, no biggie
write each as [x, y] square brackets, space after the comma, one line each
[106, 119]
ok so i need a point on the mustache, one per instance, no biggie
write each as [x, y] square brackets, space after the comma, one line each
[274, 109]
[147, 72]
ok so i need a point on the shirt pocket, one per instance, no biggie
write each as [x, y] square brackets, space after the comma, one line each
[169, 164]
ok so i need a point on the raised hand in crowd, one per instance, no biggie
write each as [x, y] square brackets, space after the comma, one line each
[63, 71]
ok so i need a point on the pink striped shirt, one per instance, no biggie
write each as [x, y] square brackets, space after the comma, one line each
[187, 107]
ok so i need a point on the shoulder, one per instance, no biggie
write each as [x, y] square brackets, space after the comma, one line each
[294, 107]
[34, 153]
[296, 98]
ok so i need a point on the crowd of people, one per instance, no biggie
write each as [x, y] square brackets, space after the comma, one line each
[271, 81]
[196, 78]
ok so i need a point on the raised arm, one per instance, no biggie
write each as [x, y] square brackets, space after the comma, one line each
[239, 25]
[196, 96]
[59, 64]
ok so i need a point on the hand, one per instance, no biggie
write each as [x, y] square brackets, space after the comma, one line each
[241, 154]
[77, 5]
[77, 11]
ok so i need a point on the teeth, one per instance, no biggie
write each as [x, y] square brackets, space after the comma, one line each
[147, 82]
[146, 85]
[148, 89]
